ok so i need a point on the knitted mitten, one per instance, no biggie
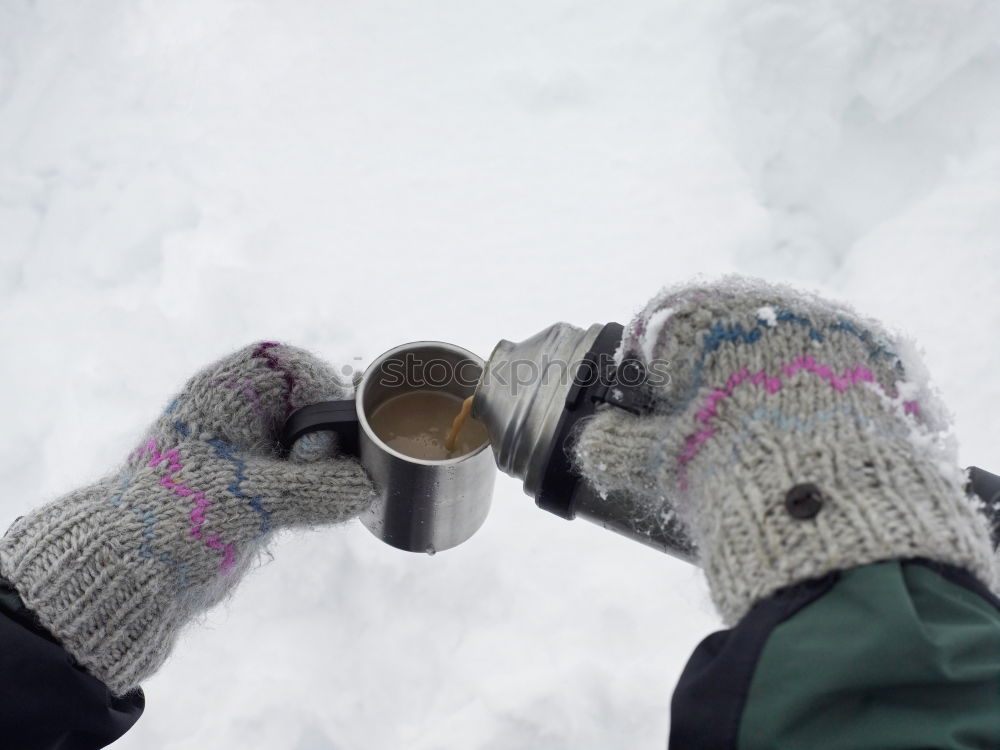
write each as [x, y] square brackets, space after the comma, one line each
[793, 439]
[114, 570]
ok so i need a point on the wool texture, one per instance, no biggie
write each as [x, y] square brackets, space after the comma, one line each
[771, 388]
[114, 570]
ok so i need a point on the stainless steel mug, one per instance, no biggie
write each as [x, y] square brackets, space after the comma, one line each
[423, 505]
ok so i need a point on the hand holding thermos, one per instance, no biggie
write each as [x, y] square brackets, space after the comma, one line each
[794, 438]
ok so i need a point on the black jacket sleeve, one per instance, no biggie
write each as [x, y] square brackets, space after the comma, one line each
[47, 700]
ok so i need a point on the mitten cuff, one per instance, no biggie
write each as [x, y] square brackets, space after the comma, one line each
[72, 564]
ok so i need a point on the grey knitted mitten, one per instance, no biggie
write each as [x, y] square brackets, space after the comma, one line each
[793, 439]
[114, 570]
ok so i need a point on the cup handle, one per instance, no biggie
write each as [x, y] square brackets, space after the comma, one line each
[339, 416]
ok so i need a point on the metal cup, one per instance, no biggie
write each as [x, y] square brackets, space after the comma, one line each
[422, 505]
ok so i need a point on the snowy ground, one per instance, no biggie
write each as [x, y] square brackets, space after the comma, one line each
[178, 179]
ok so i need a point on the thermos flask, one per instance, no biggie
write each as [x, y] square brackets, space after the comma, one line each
[532, 395]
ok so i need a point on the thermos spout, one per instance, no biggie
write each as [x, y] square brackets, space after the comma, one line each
[521, 396]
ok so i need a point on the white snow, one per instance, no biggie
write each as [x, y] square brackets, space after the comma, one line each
[651, 334]
[768, 316]
[178, 179]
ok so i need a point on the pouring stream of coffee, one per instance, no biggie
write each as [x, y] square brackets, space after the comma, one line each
[456, 426]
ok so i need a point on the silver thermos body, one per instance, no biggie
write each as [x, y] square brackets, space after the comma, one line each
[531, 396]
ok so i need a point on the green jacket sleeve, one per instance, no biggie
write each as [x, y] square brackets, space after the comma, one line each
[900, 654]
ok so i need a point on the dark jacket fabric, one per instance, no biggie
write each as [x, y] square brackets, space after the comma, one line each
[897, 655]
[47, 701]
[891, 656]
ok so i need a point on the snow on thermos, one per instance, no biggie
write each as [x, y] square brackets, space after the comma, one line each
[525, 402]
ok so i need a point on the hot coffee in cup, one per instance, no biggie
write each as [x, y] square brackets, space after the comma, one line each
[428, 424]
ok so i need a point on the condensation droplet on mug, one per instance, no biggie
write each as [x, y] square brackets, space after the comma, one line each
[430, 551]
